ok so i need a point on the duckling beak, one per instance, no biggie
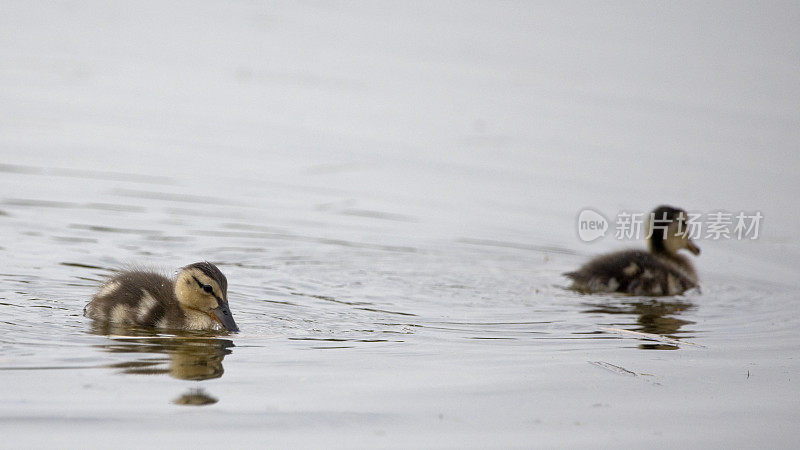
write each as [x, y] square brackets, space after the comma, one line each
[693, 248]
[223, 315]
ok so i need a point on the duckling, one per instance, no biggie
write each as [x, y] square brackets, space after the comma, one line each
[661, 271]
[196, 300]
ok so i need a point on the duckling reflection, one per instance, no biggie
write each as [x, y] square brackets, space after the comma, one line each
[185, 357]
[653, 316]
[195, 397]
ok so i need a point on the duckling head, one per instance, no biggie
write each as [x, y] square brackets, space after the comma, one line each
[202, 287]
[670, 231]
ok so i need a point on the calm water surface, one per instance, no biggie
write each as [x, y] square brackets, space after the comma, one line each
[393, 215]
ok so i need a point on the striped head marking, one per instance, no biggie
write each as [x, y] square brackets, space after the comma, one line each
[669, 231]
[203, 287]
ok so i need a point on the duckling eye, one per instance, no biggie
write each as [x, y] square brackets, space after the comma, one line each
[208, 288]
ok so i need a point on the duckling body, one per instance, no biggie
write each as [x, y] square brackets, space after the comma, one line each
[660, 271]
[196, 300]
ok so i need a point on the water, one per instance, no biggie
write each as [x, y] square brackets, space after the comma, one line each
[392, 193]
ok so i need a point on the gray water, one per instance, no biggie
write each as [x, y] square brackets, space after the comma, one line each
[392, 192]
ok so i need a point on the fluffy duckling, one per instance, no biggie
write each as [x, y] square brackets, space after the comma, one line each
[661, 271]
[196, 300]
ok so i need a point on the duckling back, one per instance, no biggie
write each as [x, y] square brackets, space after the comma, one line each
[136, 298]
[635, 272]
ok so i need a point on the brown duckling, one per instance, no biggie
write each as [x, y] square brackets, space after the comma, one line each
[196, 300]
[661, 271]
